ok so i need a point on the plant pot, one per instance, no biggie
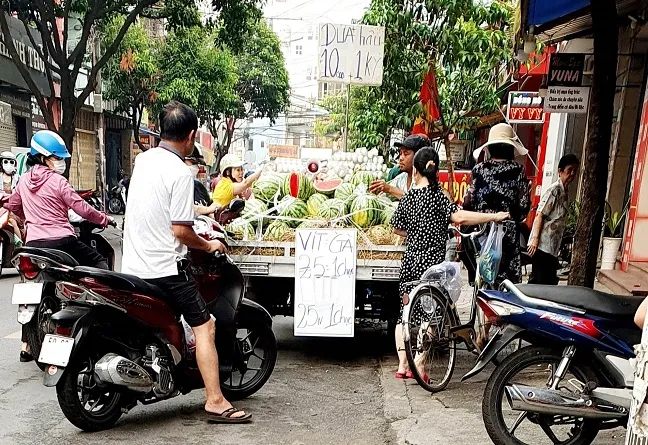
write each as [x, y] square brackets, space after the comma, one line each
[611, 248]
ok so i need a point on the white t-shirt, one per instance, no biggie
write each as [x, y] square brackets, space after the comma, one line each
[160, 194]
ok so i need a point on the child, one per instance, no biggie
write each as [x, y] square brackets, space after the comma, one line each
[423, 216]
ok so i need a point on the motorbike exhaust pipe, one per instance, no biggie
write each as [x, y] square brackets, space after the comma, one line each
[115, 369]
[554, 402]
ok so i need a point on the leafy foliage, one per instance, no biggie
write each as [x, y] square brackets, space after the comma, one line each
[466, 42]
[133, 74]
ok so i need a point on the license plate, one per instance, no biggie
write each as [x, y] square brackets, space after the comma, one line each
[56, 350]
[27, 293]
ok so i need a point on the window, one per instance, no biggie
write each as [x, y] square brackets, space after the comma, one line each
[310, 32]
[298, 50]
[309, 73]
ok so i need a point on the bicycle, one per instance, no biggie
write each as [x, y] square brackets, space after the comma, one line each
[432, 327]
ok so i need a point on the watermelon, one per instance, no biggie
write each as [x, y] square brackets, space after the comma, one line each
[332, 209]
[314, 203]
[267, 187]
[296, 209]
[242, 230]
[328, 187]
[253, 207]
[276, 231]
[365, 210]
[387, 213]
[298, 186]
[362, 177]
[344, 191]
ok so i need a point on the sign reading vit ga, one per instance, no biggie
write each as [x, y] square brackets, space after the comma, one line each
[325, 275]
[351, 54]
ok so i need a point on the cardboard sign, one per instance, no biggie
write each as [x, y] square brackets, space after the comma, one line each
[325, 276]
[283, 151]
[351, 54]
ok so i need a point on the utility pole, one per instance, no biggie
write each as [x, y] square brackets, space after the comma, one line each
[98, 109]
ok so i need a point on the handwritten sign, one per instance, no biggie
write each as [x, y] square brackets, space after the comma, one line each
[325, 274]
[351, 54]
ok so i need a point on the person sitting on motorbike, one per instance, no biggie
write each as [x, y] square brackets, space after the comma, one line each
[9, 183]
[42, 199]
[161, 208]
[232, 182]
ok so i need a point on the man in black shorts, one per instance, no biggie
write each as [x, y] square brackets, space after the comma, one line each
[159, 220]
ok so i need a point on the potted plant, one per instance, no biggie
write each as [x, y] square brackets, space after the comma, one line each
[612, 233]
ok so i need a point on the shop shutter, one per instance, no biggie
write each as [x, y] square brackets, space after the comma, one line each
[8, 136]
[83, 168]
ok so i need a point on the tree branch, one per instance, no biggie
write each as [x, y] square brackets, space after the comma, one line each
[46, 33]
[41, 52]
[76, 58]
[22, 68]
[111, 50]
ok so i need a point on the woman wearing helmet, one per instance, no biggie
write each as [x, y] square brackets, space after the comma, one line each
[42, 199]
[9, 182]
[232, 182]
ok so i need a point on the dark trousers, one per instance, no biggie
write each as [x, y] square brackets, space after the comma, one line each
[82, 253]
[545, 269]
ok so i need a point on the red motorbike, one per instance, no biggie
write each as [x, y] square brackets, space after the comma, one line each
[118, 343]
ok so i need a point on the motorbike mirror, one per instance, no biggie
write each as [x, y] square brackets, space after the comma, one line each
[236, 206]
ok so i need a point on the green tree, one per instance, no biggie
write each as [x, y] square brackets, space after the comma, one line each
[65, 59]
[132, 75]
[465, 42]
[197, 72]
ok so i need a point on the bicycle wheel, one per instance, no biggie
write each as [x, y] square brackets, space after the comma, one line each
[431, 350]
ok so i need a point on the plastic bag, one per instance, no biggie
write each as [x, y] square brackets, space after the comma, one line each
[448, 276]
[490, 255]
[190, 338]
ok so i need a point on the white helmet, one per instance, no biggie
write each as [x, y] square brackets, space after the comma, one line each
[7, 155]
[230, 161]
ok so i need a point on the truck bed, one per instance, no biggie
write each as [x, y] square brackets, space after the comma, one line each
[275, 259]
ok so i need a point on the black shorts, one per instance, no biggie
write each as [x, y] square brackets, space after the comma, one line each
[183, 297]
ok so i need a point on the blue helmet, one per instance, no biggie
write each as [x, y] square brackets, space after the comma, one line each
[48, 143]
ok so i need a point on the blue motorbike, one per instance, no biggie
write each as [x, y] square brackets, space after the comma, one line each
[573, 379]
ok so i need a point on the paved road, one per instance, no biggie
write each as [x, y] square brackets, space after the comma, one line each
[323, 391]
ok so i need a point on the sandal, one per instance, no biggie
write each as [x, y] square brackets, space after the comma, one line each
[26, 357]
[403, 375]
[226, 416]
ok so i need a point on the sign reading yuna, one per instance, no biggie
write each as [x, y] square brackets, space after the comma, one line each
[566, 69]
[525, 107]
[564, 92]
[283, 151]
[325, 277]
[351, 54]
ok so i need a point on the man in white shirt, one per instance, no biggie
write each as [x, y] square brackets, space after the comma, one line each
[158, 230]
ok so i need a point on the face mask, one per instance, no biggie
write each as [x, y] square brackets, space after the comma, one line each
[59, 166]
[9, 168]
[194, 170]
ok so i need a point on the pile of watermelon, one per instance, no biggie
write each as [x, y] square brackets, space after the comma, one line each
[284, 202]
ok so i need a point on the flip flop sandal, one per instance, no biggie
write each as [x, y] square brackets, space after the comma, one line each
[409, 375]
[226, 416]
[400, 375]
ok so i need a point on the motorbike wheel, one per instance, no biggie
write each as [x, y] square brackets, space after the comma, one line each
[431, 351]
[115, 206]
[85, 404]
[536, 365]
[41, 325]
[252, 370]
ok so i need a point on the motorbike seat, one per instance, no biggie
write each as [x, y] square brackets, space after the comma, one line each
[120, 281]
[590, 300]
[53, 254]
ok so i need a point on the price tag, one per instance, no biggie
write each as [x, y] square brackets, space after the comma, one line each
[325, 276]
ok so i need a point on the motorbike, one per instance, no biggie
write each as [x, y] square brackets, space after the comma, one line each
[92, 197]
[116, 199]
[117, 343]
[39, 270]
[574, 378]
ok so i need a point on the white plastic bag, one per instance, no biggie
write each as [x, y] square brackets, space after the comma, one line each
[448, 276]
[490, 255]
[190, 338]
